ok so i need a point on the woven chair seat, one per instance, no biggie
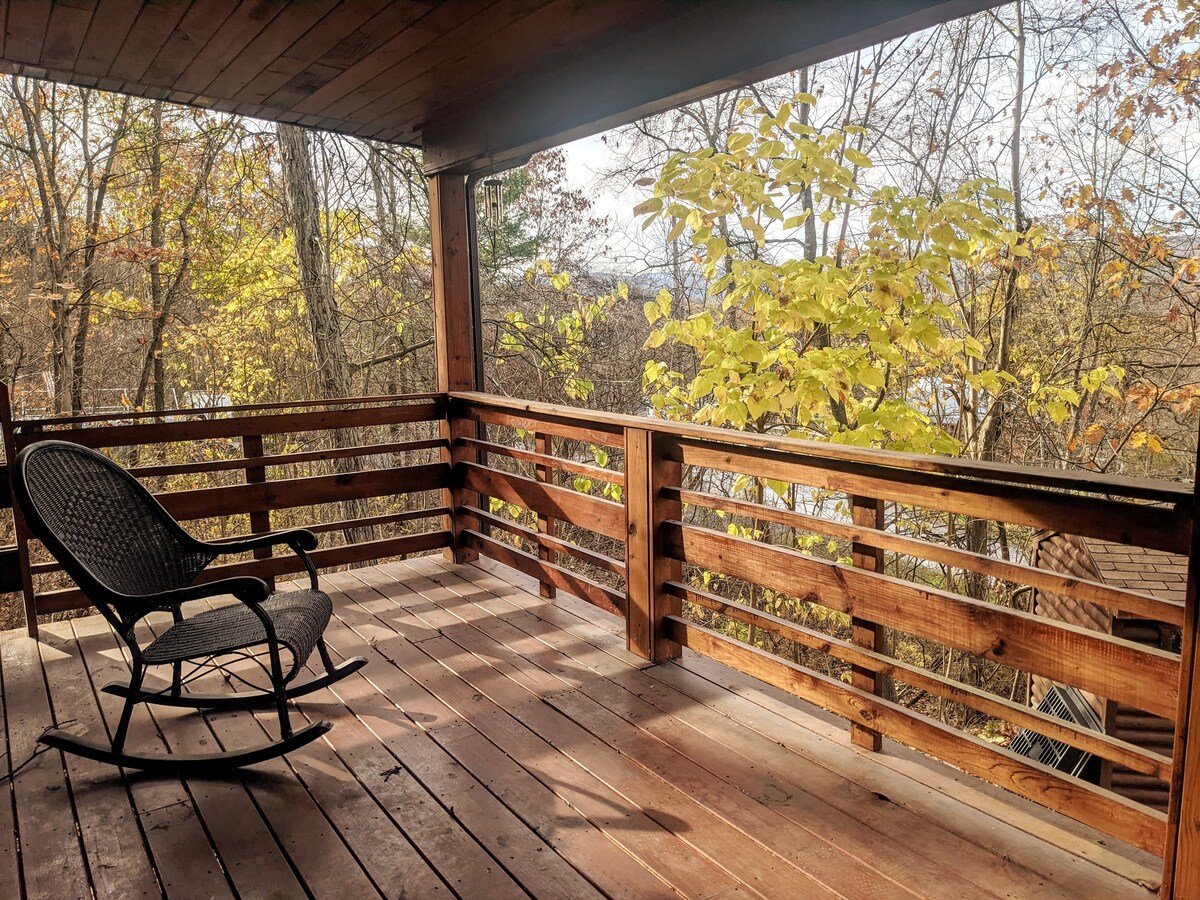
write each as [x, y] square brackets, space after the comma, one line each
[299, 618]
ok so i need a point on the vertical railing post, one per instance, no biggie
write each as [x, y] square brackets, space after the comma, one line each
[544, 443]
[454, 337]
[648, 469]
[260, 519]
[20, 529]
[866, 512]
[1181, 855]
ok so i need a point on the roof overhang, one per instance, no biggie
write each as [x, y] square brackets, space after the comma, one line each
[479, 84]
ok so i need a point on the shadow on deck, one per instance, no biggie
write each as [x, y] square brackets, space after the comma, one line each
[499, 745]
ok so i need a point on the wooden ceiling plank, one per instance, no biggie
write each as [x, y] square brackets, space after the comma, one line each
[150, 31]
[397, 135]
[657, 69]
[456, 46]
[26, 31]
[3, 25]
[337, 126]
[370, 38]
[346, 18]
[188, 40]
[69, 23]
[551, 33]
[345, 86]
[105, 35]
[245, 24]
[282, 32]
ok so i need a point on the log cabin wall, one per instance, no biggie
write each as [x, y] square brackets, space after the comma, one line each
[1130, 568]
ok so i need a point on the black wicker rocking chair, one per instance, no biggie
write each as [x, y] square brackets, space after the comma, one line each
[132, 558]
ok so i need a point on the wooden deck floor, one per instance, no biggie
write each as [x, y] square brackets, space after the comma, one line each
[498, 745]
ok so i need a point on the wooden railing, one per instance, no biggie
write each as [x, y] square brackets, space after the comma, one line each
[554, 513]
[251, 469]
[676, 535]
[634, 516]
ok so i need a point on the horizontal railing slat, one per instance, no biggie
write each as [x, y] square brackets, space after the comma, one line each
[1086, 803]
[217, 411]
[68, 599]
[598, 515]
[588, 433]
[552, 462]
[204, 429]
[599, 560]
[1116, 599]
[372, 521]
[571, 582]
[1141, 676]
[1011, 473]
[1121, 522]
[1118, 751]
[284, 459]
[291, 492]
[366, 522]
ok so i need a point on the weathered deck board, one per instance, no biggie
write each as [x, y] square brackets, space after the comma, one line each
[498, 744]
[465, 703]
[103, 805]
[250, 853]
[10, 881]
[1008, 828]
[661, 803]
[800, 826]
[51, 859]
[756, 822]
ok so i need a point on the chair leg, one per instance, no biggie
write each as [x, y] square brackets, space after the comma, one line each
[177, 666]
[131, 700]
[324, 651]
[280, 690]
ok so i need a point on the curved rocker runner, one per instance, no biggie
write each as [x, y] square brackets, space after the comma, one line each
[131, 558]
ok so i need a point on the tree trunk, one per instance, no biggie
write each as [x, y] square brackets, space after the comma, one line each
[978, 529]
[165, 291]
[158, 314]
[324, 319]
[54, 232]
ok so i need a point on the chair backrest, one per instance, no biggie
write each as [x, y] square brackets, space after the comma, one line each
[103, 526]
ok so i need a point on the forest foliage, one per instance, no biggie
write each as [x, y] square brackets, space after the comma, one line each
[979, 240]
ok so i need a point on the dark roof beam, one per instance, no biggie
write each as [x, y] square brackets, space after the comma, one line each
[712, 48]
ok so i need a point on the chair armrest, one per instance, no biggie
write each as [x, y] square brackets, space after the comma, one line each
[297, 538]
[301, 540]
[246, 588]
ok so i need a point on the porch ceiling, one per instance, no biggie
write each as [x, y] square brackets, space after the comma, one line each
[477, 83]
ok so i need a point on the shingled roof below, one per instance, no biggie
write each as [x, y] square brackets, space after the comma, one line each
[1137, 569]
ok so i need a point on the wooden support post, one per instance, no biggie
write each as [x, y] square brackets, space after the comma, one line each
[868, 513]
[260, 520]
[544, 443]
[454, 339]
[647, 566]
[20, 529]
[1181, 854]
